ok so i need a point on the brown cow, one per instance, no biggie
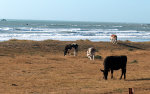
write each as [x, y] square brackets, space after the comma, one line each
[113, 39]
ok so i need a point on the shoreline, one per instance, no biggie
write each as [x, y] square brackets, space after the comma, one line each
[72, 40]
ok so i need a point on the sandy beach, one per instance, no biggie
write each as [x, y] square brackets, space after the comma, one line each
[39, 67]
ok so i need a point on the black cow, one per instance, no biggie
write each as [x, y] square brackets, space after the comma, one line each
[115, 63]
[69, 47]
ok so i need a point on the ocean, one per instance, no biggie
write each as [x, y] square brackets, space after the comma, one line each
[71, 31]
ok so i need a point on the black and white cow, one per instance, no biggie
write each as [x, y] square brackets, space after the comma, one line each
[114, 63]
[70, 47]
[91, 53]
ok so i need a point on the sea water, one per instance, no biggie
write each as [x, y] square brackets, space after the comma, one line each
[71, 31]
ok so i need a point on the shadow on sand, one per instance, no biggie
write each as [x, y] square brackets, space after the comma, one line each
[141, 79]
[130, 46]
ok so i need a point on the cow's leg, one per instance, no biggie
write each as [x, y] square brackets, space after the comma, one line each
[68, 52]
[124, 71]
[93, 57]
[74, 52]
[115, 41]
[111, 74]
[88, 54]
[65, 52]
[90, 57]
[122, 74]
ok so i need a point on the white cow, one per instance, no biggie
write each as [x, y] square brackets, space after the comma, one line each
[91, 53]
[113, 39]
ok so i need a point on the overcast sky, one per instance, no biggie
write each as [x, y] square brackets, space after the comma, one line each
[137, 11]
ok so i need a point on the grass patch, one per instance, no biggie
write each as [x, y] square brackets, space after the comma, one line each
[127, 41]
[134, 61]
[130, 49]
[87, 40]
[98, 57]
[50, 40]
[3, 55]
[81, 40]
[119, 90]
[13, 40]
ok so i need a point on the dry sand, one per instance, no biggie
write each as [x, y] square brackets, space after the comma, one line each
[39, 67]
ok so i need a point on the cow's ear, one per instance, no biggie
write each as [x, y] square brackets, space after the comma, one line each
[101, 70]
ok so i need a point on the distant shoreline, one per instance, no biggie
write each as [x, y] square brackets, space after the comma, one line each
[102, 40]
[74, 41]
[76, 21]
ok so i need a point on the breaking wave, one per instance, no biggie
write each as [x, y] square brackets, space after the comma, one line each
[73, 31]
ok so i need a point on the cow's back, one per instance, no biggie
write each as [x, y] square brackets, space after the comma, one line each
[115, 62]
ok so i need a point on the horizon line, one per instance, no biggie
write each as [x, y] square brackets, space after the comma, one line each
[78, 21]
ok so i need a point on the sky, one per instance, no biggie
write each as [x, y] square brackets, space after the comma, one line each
[137, 11]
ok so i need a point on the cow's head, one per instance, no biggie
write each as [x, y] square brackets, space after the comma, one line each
[75, 46]
[105, 73]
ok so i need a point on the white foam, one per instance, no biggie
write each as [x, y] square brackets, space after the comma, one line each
[68, 34]
[6, 29]
[117, 26]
